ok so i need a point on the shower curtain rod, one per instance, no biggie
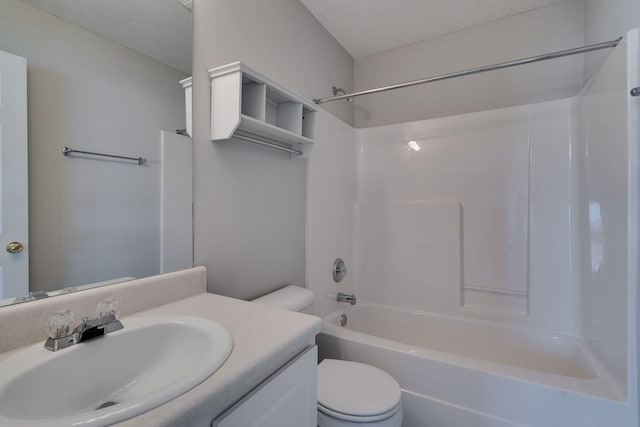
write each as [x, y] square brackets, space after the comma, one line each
[553, 55]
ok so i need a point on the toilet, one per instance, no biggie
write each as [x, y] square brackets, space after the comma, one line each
[350, 394]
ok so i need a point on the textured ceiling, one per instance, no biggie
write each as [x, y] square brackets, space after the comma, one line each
[160, 29]
[364, 27]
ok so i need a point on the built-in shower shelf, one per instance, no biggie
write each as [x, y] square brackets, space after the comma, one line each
[247, 105]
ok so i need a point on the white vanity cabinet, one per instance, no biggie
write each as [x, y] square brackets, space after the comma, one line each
[286, 398]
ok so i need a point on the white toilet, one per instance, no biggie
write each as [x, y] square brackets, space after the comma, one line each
[350, 394]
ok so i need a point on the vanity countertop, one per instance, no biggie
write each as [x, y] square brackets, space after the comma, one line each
[265, 338]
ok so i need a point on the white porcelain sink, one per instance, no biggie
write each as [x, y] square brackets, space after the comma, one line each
[114, 377]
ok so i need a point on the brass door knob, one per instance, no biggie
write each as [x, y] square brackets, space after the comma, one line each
[14, 247]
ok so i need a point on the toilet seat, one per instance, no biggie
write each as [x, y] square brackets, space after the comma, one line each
[358, 418]
[357, 392]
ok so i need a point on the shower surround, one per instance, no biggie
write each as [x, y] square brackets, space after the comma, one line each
[511, 237]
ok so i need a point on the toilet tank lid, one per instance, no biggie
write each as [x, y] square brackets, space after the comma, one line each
[294, 298]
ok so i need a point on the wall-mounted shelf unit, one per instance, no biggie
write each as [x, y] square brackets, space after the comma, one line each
[188, 97]
[246, 105]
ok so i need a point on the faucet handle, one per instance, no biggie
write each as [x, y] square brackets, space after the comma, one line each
[108, 306]
[60, 324]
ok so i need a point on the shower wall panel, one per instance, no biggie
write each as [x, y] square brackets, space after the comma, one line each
[603, 139]
[470, 215]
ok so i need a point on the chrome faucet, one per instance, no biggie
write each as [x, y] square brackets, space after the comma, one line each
[351, 299]
[60, 333]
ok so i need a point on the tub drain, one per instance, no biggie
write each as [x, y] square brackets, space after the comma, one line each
[343, 320]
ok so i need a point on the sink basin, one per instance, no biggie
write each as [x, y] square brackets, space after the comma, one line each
[111, 378]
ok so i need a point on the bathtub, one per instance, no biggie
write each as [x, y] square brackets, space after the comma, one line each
[458, 372]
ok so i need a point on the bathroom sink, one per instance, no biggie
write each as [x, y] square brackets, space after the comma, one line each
[111, 378]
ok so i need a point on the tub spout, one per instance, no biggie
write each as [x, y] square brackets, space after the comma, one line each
[351, 299]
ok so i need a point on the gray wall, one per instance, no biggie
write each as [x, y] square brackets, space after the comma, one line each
[555, 27]
[607, 20]
[249, 217]
[249, 201]
[564, 25]
[90, 220]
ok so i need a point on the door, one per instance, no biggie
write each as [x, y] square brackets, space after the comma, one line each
[14, 229]
[176, 189]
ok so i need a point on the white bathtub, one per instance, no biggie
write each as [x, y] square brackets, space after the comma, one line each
[456, 372]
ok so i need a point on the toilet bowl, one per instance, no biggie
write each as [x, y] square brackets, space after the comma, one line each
[350, 394]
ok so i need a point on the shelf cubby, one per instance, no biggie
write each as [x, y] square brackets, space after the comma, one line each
[245, 103]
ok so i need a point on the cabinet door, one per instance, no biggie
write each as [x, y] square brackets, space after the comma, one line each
[286, 399]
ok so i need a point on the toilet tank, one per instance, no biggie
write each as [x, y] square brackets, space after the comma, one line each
[293, 298]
